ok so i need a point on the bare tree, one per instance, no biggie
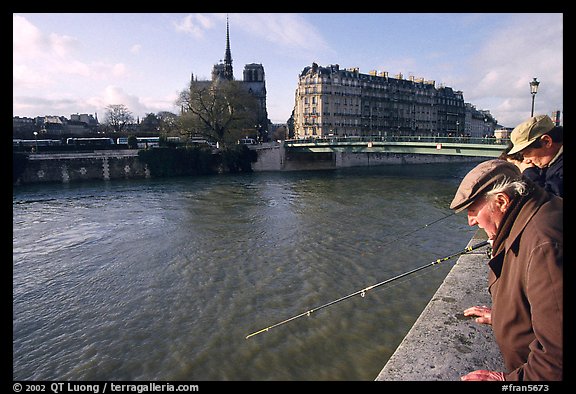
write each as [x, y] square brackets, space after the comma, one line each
[222, 111]
[168, 123]
[118, 117]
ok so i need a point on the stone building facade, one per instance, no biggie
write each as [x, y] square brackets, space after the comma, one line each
[345, 102]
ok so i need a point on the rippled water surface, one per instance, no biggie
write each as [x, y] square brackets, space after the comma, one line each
[164, 279]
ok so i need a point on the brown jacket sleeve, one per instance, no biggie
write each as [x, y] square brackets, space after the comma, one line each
[544, 290]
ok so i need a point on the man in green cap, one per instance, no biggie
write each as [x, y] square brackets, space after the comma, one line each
[540, 142]
[524, 223]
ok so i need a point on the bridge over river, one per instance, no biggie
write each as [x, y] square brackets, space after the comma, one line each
[459, 146]
[336, 152]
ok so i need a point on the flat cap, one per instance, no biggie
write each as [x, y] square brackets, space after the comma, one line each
[480, 180]
[527, 132]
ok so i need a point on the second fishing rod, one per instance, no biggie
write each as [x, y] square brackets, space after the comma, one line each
[363, 291]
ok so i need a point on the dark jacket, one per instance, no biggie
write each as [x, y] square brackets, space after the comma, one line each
[550, 178]
[526, 286]
[554, 177]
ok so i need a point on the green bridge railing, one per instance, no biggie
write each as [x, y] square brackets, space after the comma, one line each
[460, 146]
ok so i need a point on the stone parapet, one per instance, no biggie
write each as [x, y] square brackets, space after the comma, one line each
[443, 344]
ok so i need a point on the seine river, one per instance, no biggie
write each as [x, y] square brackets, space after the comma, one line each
[164, 279]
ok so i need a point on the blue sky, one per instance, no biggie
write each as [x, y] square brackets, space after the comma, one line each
[68, 63]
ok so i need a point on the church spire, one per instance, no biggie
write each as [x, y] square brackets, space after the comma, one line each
[228, 73]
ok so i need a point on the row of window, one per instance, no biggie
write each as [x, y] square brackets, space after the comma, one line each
[375, 114]
[404, 99]
[377, 84]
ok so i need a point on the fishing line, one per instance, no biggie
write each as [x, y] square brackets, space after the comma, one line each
[362, 292]
[417, 229]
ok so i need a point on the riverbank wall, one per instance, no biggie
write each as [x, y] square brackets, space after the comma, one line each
[275, 157]
[443, 344]
[82, 166]
[125, 164]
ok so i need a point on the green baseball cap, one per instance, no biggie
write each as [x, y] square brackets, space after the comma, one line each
[529, 131]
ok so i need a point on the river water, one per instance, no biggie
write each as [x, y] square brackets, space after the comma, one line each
[164, 279]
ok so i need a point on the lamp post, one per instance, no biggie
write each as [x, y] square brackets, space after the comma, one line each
[533, 90]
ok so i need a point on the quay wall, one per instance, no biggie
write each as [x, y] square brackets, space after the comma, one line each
[271, 157]
[82, 166]
[275, 157]
[443, 344]
[352, 159]
[124, 164]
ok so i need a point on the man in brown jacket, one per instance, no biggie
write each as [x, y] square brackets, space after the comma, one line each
[525, 225]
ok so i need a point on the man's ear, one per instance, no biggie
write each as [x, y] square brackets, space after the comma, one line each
[502, 201]
[546, 141]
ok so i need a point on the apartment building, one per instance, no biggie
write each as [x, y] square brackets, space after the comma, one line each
[345, 102]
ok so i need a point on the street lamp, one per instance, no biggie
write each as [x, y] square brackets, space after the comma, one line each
[533, 90]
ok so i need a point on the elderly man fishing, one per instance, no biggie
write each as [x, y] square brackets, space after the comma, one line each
[524, 224]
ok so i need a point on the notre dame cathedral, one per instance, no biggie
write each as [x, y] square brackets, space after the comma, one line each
[253, 81]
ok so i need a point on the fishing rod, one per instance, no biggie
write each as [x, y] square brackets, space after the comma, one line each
[363, 291]
[417, 229]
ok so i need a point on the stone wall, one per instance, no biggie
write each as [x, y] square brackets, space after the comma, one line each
[443, 344]
[271, 157]
[355, 159]
[124, 164]
[73, 167]
[275, 157]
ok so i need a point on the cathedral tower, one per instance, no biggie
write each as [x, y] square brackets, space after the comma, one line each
[228, 73]
[223, 70]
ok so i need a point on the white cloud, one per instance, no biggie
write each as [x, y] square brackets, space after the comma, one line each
[29, 43]
[290, 31]
[46, 67]
[531, 46]
[135, 49]
[113, 95]
[27, 39]
[61, 45]
[117, 95]
[53, 57]
[194, 24]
